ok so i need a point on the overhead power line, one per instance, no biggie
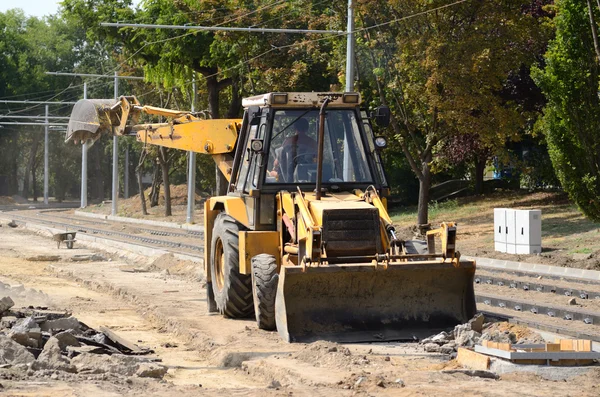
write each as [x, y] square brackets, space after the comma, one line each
[217, 28]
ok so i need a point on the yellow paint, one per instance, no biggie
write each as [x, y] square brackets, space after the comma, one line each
[209, 221]
[232, 206]
[202, 136]
[254, 243]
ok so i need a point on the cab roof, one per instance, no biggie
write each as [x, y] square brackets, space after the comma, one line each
[303, 99]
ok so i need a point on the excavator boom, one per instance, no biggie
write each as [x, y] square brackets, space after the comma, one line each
[92, 118]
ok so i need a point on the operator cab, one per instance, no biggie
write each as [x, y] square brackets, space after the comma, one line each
[279, 140]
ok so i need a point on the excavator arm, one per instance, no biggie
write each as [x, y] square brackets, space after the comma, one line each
[92, 118]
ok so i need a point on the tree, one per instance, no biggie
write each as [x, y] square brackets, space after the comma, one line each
[441, 73]
[571, 120]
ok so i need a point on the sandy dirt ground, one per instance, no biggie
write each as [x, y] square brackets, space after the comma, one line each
[209, 355]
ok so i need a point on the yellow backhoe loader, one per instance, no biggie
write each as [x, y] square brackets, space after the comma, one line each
[303, 240]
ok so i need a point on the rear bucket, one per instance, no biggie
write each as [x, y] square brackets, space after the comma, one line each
[356, 303]
[89, 120]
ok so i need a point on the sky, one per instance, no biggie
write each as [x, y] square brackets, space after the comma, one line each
[36, 8]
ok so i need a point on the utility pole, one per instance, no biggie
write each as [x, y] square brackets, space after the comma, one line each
[191, 200]
[115, 166]
[84, 161]
[349, 77]
[350, 48]
[46, 159]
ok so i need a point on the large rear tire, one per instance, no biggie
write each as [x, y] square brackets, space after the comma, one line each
[232, 291]
[264, 290]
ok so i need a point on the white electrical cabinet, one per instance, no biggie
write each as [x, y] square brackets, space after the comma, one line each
[518, 231]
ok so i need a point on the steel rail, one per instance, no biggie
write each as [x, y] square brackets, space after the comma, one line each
[548, 287]
[553, 311]
[556, 329]
[155, 232]
[123, 236]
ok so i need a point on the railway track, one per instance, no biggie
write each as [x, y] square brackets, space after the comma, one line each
[145, 238]
[523, 298]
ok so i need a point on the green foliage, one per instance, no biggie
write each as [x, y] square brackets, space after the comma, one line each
[571, 118]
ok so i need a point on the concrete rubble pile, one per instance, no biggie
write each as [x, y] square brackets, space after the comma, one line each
[470, 334]
[463, 335]
[42, 342]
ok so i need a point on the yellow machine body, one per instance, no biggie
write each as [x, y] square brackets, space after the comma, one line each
[337, 270]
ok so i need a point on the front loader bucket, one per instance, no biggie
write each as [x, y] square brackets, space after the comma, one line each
[89, 120]
[358, 303]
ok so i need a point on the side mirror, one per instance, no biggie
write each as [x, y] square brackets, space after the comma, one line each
[382, 116]
[254, 113]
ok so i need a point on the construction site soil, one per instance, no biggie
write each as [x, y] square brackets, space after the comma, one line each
[158, 302]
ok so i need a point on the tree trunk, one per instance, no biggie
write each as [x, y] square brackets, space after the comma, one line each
[212, 86]
[138, 174]
[236, 100]
[32, 153]
[164, 165]
[155, 190]
[34, 187]
[424, 185]
[13, 154]
[594, 30]
[479, 173]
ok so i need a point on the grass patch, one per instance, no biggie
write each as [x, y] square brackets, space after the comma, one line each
[449, 210]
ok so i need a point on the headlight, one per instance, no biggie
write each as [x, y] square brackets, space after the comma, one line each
[279, 98]
[256, 145]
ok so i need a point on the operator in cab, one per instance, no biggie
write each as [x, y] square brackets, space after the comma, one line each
[299, 148]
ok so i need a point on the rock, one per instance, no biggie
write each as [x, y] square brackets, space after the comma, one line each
[44, 258]
[13, 353]
[275, 384]
[465, 336]
[448, 348]
[90, 363]
[380, 383]
[73, 351]
[24, 325]
[572, 301]
[147, 370]
[432, 348]
[62, 324]
[360, 381]
[477, 323]
[6, 303]
[441, 339]
[581, 257]
[65, 339]
[332, 349]
[52, 358]
[473, 372]
[23, 339]
[8, 321]
[467, 339]
[399, 382]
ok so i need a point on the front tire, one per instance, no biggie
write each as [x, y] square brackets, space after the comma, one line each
[264, 290]
[232, 291]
